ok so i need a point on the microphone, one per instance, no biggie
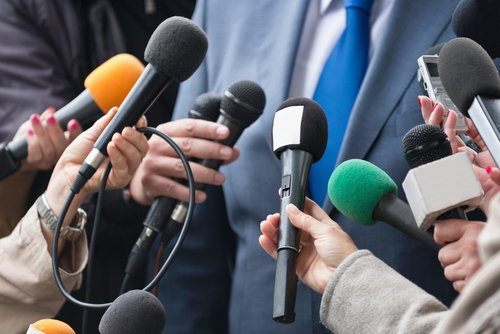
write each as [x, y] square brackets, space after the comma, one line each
[299, 136]
[50, 326]
[105, 87]
[471, 80]
[478, 20]
[206, 107]
[136, 311]
[364, 193]
[241, 105]
[439, 185]
[175, 50]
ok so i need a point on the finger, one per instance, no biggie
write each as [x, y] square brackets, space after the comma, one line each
[120, 173]
[56, 135]
[137, 139]
[132, 155]
[437, 115]
[306, 222]
[455, 272]
[448, 231]
[47, 113]
[156, 185]
[141, 123]
[198, 148]
[310, 207]
[495, 175]
[426, 107]
[98, 127]
[236, 155]
[46, 146]
[459, 285]
[274, 219]
[173, 167]
[449, 129]
[74, 130]
[268, 246]
[34, 151]
[198, 128]
[449, 254]
[474, 134]
[268, 229]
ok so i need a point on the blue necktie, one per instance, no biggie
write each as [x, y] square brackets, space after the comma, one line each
[338, 87]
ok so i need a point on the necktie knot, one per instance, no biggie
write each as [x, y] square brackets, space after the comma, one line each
[365, 5]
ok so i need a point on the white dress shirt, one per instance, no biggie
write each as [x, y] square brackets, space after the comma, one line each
[324, 24]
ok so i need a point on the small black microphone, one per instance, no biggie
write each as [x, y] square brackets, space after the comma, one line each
[175, 50]
[299, 134]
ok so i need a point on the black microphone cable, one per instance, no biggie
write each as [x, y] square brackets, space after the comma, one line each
[78, 184]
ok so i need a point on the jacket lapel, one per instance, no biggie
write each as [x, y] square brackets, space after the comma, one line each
[413, 26]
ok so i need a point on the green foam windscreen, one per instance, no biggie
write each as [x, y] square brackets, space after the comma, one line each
[355, 188]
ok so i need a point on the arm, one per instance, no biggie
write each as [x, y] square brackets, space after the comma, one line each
[361, 294]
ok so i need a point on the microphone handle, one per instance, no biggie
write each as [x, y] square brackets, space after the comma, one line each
[295, 167]
[395, 212]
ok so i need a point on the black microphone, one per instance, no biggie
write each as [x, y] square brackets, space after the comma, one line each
[299, 135]
[479, 21]
[205, 107]
[439, 185]
[105, 87]
[135, 311]
[174, 51]
[364, 193]
[471, 80]
[241, 105]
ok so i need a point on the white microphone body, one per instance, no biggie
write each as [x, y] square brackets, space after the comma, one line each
[441, 186]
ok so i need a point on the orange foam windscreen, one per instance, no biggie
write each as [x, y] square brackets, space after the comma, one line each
[50, 326]
[110, 83]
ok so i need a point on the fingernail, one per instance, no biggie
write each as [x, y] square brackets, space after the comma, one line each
[219, 178]
[226, 152]
[30, 132]
[73, 124]
[222, 131]
[292, 209]
[488, 169]
[51, 120]
[201, 197]
[419, 102]
[35, 119]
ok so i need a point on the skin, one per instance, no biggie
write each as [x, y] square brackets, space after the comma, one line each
[126, 150]
[161, 169]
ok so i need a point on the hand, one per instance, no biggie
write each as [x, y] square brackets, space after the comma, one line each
[158, 173]
[433, 114]
[45, 142]
[459, 256]
[324, 244]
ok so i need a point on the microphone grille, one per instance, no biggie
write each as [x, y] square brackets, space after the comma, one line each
[206, 107]
[300, 123]
[244, 101]
[424, 144]
[176, 48]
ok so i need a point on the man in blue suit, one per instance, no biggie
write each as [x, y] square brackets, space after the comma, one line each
[285, 47]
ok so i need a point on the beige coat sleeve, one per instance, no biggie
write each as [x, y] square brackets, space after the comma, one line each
[365, 295]
[27, 287]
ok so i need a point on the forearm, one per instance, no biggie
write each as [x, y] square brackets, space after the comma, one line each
[365, 295]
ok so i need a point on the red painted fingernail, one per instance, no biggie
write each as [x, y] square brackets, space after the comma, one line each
[419, 102]
[30, 132]
[51, 120]
[73, 124]
[487, 169]
[35, 118]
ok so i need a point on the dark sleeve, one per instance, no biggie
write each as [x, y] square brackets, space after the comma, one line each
[34, 71]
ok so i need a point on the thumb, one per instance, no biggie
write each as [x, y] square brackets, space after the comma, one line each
[98, 127]
[307, 223]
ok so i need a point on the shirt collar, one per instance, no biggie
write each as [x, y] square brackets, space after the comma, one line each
[324, 6]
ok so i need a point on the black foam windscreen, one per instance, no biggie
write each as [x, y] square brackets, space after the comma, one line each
[466, 70]
[176, 48]
[206, 106]
[424, 144]
[244, 101]
[311, 135]
[135, 311]
[479, 20]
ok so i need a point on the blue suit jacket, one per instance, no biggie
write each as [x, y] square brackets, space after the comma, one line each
[258, 40]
